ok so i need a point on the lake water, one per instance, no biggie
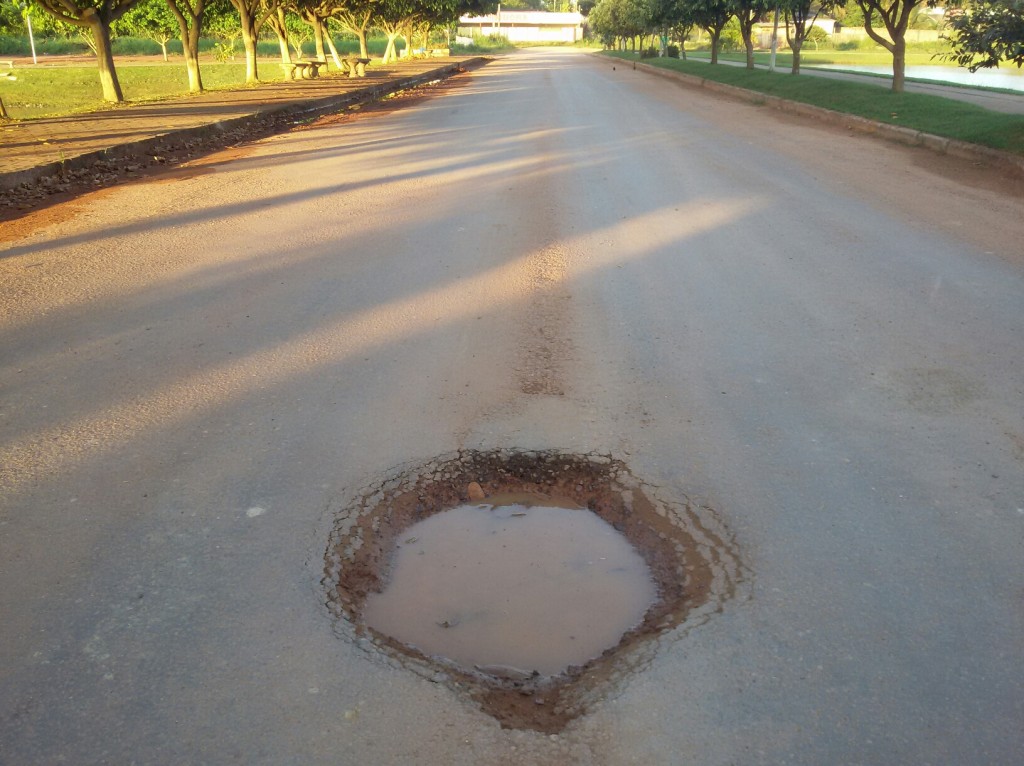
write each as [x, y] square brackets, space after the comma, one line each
[1012, 79]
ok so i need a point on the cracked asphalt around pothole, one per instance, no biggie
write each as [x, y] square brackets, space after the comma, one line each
[819, 335]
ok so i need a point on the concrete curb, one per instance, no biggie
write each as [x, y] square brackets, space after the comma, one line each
[160, 142]
[906, 136]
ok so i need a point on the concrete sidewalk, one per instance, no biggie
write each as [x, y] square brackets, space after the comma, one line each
[33, 149]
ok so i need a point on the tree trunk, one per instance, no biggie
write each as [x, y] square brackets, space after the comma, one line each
[896, 44]
[390, 54]
[249, 43]
[195, 78]
[318, 38]
[104, 56]
[334, 51]
[749, 44]
[3, 111]
[899, 64]
[715, 38]
[190, 46]
[277, 23]
[356, 26]
[190, 26]
[795, 46]
[163, 47]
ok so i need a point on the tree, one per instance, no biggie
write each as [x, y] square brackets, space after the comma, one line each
[189, 15]
[96, 17]
[619, 20]
[300, 33]
[391, 17]
[279, 23]
[659, 19]
[225, 27]
[681, 22]
[11, 23]
[150, 19]
[600, 23]
[354, 16]
[895, 17]
[748, 13]
[315, 13]
[406, 18]
[988, 32]
[252, 15]
[800, 17]
[711, 16]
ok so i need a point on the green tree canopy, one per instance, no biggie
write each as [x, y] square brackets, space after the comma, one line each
[711, 16]
[151, 19]
[987, 33]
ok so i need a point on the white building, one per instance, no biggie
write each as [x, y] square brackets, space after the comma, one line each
[525, 26]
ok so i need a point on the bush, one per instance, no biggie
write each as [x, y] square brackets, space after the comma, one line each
[12, 46]
[267, 48]
[650, 53]
[731, 39]
[142, 46]
[816, 36]
[225, 50]
[19, 46]
[672, 51]
[857, 44]
[484, 44]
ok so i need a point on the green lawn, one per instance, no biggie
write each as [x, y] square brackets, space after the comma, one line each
[863, 57]
[930, 114]
[53, 90]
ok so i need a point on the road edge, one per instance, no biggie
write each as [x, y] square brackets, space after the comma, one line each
[895, 133]
[159, 142]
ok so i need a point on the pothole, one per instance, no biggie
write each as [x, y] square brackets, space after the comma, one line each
[531, 581]
[512, 587]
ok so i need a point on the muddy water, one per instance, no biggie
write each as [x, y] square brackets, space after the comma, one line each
[512, 588]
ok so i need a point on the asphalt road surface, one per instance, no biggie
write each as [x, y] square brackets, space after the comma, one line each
[819, 335]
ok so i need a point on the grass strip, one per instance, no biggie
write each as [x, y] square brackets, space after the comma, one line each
[939, 116]
[865, 57]
[56, 90]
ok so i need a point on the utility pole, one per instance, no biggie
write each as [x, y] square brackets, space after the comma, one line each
[26, 11]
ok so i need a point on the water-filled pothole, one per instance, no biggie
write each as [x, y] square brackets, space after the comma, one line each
[512, 589]
[529, 580]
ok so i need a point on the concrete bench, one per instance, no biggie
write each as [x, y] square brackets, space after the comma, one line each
[302, 70]
[355, 67]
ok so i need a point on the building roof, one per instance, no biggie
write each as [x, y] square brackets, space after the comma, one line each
[533, 18]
